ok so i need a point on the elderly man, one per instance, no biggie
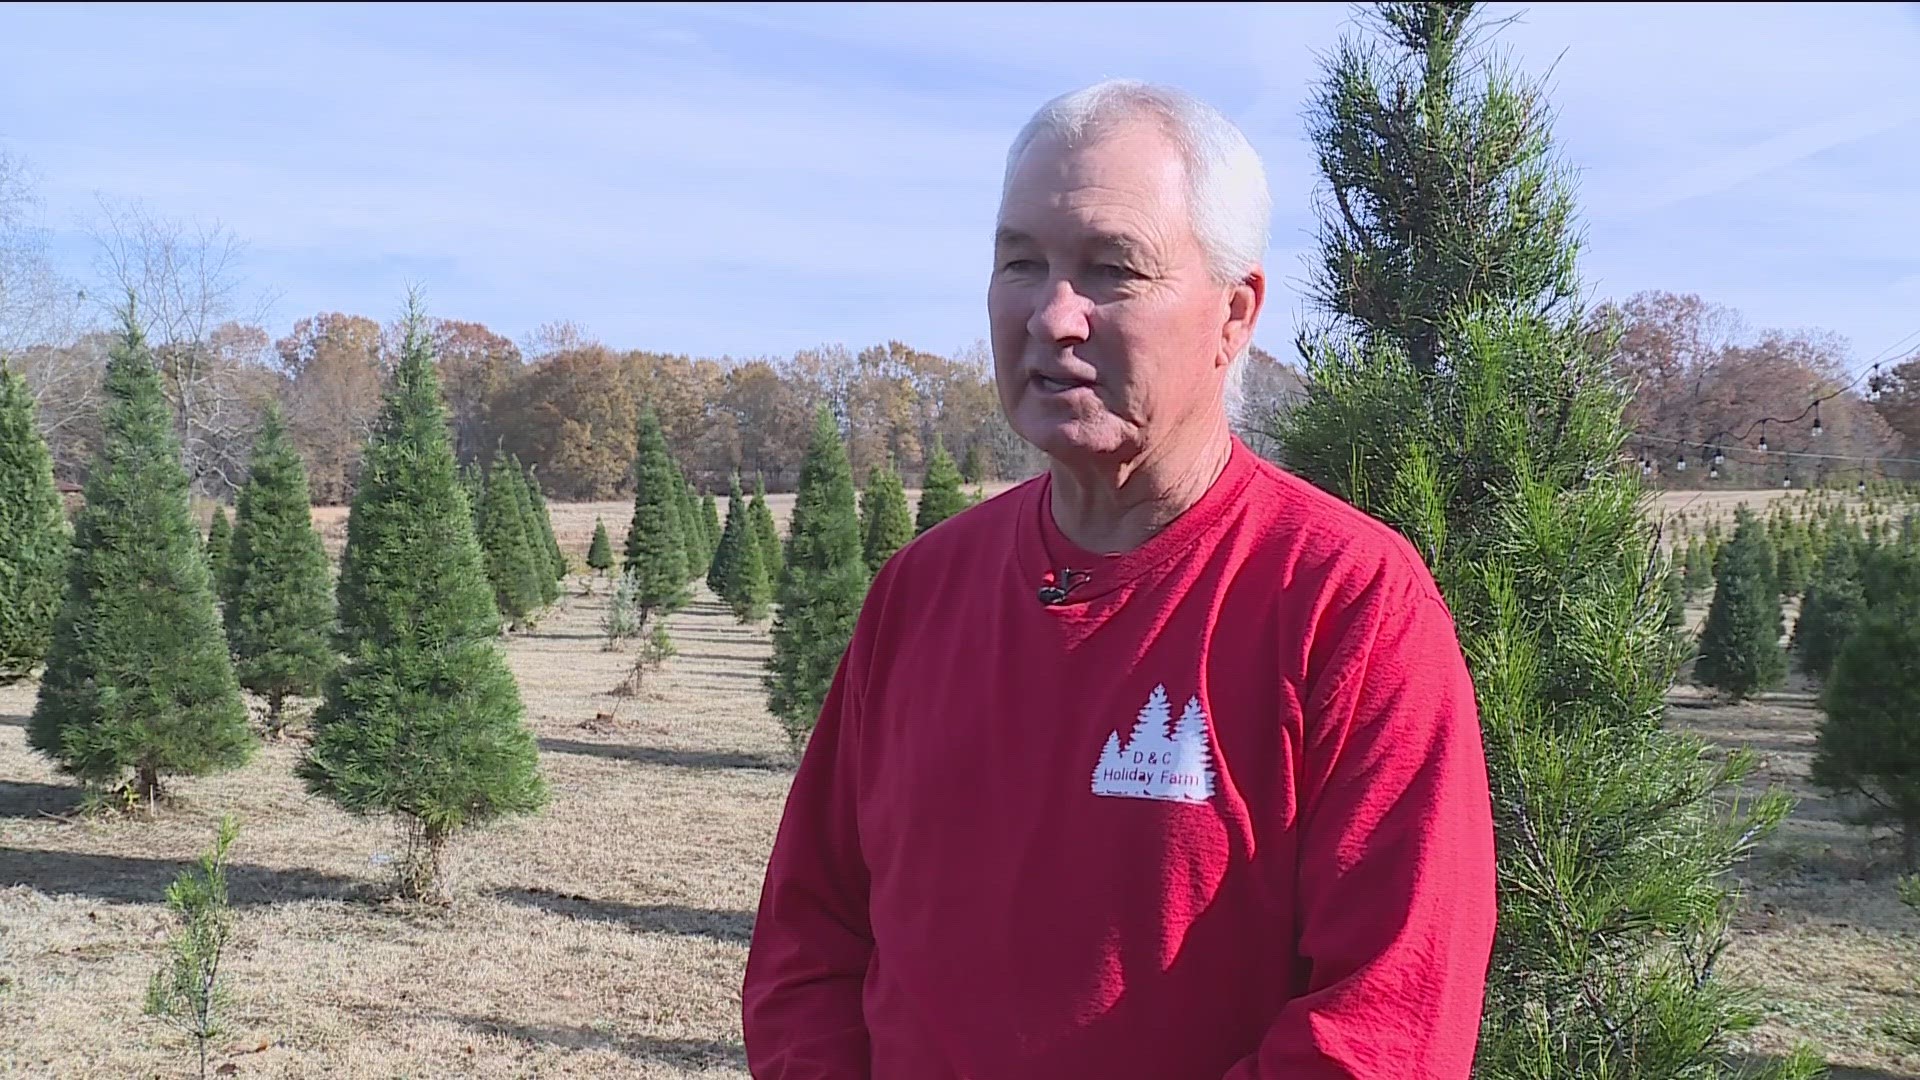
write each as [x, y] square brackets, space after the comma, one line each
[1163, 765]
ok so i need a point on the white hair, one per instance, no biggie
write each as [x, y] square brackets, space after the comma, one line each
[1227, 198]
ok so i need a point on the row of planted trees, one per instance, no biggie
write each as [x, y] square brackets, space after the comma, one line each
[152, 634]
[1857, 636]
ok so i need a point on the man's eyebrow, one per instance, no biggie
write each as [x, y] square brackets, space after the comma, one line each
[1006, 236]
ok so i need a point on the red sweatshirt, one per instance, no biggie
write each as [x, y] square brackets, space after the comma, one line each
[1222, 813]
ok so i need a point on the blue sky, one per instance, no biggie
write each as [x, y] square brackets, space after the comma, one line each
[752, 180]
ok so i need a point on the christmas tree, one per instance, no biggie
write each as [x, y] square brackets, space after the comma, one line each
[1740, 645]
[710, 524]
[735, 532]
[747, 587]
[138, 677]
[600, 551]
[821, 586]
[1456, 390]
[1868, 748]
[280, 598]
[1831, 609]
[219, 545]
[656, 553]
[760, 516]
[884, 525]
[940, 494]
[533, 531]
[544, 518]
[33, 535]
[511, 563]
[423, 721]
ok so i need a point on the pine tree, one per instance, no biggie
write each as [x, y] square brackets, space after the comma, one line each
[655, 551]
[473, 482]
[280, 599]
[600, 551]
[746, 586]
[138, 675]
[821, 587]
[544, 518]
[33, 535]
[540, 562]
[1868, 747]
[1676, 596]
[710, 525]
[772, 552]
[1740, 651]
[1830, 610]
[940, 495]
[973, 467]
[218, 546]
[693, 534]
[884, 525]
[423, 721]
[510, 558]
[1457, 392]
[733, 534]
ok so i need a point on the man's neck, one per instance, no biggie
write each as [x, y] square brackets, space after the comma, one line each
[1115, 508]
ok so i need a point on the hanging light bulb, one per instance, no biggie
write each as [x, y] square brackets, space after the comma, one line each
[1719, 457]
[1861, 487]
[1646, 467]
[1816, 420]
[1680, 463]
[1763, 442]
[1713, 472]
[1786, 481]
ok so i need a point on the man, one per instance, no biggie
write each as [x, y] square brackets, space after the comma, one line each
[1164, 765]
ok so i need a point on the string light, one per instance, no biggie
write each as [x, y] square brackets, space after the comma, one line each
[1816, 420]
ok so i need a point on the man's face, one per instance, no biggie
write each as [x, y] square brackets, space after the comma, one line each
[1108, 331]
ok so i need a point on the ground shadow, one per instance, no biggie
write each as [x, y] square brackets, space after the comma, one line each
[719, 925]
[131, 879]
[657, 755]
[11, 720]
[25, 798]
[724, 658]
[685, 1053]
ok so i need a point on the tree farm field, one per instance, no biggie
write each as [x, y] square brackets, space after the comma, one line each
[606, 935]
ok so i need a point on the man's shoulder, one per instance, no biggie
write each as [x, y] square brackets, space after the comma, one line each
[982, 528]
[1318, 533]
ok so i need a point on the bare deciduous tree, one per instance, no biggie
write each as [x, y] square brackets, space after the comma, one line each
[184, 281]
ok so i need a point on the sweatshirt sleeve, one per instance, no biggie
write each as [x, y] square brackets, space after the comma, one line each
[1396, 886]
[802, 1016]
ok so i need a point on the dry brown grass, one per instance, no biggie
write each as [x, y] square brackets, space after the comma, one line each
[607, 936]
[603, 937]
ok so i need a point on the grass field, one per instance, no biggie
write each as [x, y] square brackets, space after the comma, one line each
[606, 936]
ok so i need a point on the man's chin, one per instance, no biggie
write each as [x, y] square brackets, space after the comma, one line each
[1074, 439]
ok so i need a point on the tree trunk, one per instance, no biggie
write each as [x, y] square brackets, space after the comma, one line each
[146, 784]
[275, 723]
[425, 875]
[1910, 845]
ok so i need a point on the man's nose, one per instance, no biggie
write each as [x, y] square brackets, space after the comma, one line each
[1061, 314]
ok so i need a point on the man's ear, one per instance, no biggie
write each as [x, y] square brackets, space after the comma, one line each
[1245, 301]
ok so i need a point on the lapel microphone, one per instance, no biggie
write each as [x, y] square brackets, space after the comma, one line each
[1055, 593]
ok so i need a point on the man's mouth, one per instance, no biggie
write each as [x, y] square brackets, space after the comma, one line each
[1057, 386]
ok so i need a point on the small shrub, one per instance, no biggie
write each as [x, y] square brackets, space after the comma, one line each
[188, 992]
[622, 619]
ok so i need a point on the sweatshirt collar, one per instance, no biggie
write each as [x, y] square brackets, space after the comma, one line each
[1045, 552]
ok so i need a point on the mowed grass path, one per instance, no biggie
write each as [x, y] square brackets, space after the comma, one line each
[603, 937]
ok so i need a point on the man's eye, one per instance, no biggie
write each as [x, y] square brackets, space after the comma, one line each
[1116, 270]
[1018, 264]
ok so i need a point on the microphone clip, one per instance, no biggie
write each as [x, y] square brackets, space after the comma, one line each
[1055, 592]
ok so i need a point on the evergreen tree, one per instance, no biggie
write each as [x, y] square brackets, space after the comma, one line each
[600, 552]
[940, 495]
[280, 599]
[138, 675]
[733, 534]
[693, 533]
[509, 556]
[1830, 610]
[1740, 645]
[1676, 595]
[973, 467]
[540, 562]
[746, 585]
[821, 588]
[655, 551]
[423, 720]
[1457, 392]
[473, 482]
[544, 518]
[772, 552]
[219, 545]
[710, 524]
[1868, 747]
[33, 535]
[884, 525]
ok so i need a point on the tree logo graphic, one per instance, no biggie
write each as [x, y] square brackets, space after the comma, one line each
[1156, 764]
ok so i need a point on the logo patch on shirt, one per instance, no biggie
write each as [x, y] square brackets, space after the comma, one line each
[1156, 764]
